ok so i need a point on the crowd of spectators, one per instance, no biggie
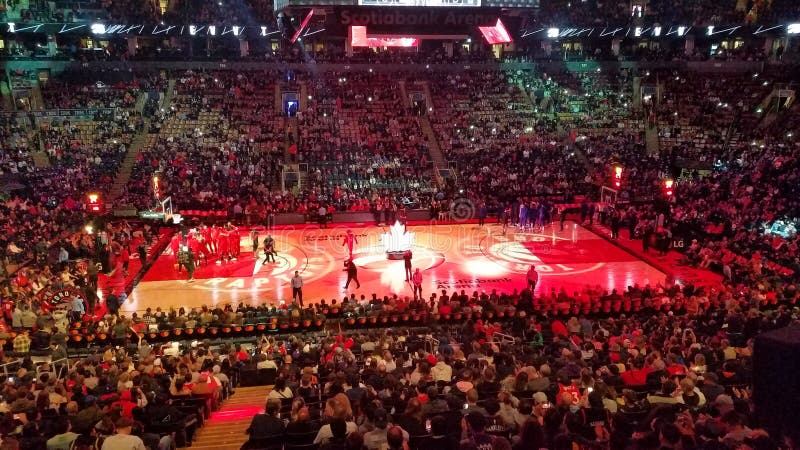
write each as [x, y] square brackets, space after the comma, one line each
[361, 142]
[650, 367]
[645, 368]
[645, 378]
[219, 145]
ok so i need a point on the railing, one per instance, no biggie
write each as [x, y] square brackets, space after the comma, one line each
[11, 363]
[504, 338]
[431, 344]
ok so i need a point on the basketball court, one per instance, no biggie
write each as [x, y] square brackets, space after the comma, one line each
[451, 257]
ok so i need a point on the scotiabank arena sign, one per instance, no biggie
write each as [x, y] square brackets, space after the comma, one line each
[417, 20]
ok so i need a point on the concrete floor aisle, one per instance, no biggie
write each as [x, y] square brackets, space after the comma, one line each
[225, 430]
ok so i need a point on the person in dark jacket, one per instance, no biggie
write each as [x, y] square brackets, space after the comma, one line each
[352, 274]
[268, 424]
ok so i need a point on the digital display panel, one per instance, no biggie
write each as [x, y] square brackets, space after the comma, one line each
[445, 3]
[498, 34]
[359, 38]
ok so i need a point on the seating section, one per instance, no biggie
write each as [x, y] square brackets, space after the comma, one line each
[359, 140]
[697, 112]
[220, 143]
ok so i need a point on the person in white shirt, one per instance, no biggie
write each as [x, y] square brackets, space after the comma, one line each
[441, 371]
[297, 288]
[265, 363]
[416, 281]
[389, 362]
[280, 391]
[123, 440]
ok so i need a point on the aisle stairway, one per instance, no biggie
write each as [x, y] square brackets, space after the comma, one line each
[126, 168]
[225, 430]
[652, 140]
[138, 142]
[441, 169]
[404, 94]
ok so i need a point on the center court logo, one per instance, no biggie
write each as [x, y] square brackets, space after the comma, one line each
[273, 276]
[511, 254]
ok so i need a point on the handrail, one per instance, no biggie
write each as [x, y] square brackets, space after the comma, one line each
[434, 344]
[504, 338]
[5, 366]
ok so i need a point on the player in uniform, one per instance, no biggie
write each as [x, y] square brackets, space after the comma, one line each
[234, 242]
[215, 230]
[350, 241]
[222, 245]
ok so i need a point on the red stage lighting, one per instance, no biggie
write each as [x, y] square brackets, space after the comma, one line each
[303, 26]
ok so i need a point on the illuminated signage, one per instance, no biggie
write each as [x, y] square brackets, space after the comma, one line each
[359, 38]
[447, 3]
[498, 34]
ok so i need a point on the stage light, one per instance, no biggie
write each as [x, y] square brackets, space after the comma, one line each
[668, 185]
[94, 205]
[656, 31]
[89, 229]
[12, 27]
[618, 176]
[553, 32]
[212, 30]
[98, 28]
[263, 31]
[237, 30]
[710, 30]
[192, 30]
[792, 28]
[637, 31]
[681, 31]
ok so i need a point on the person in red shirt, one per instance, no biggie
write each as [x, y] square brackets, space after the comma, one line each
[241, 355]
[125, 258]
[559, 328]
[673, 367]
[125, 403]
[175, 246]
[234, 242]
[637, 375]
[222, 245]
[214, 242]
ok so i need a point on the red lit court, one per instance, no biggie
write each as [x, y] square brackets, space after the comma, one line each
[457, 256]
